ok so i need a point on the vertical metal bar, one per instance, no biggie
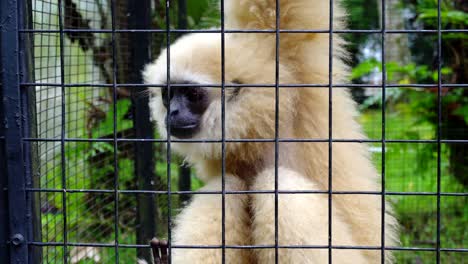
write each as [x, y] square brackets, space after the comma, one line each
[62, 133]
[3, 178]
[139, 17]
[28, 104]
[114, 129]
[4, 254]
[115, 145]
[223, 141]
[4, 217]
[383, 157]
[277, 54]
[13, 147]
[330, 130]
[168, 128]
[439, 125]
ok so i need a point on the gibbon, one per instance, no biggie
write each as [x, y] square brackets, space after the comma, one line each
[303, 113]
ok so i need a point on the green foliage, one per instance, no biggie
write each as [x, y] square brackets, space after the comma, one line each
[406, 74]
[429, 15]
[200, 14]
[418, 100]
[105, 127]
[413, 168]
[412, 114]
[422, 101]
[463, 110]
[362, 14]
[203, 13]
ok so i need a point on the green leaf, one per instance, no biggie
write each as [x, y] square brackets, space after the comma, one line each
[451, 16]
[364, 68]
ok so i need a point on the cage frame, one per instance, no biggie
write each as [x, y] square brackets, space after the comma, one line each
[17, 137]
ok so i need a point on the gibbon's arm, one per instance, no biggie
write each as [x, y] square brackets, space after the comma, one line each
[302, 221]
[199, 224]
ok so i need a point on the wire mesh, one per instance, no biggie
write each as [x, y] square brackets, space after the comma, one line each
[86, 145]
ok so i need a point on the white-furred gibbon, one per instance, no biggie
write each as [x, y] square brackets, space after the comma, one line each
[303, 113]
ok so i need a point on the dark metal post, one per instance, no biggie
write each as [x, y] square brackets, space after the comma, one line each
[13, 121]
[28, 103]
[140, 49]
[3, 205]
[3, 185]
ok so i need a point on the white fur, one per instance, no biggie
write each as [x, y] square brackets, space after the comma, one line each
[303, 113]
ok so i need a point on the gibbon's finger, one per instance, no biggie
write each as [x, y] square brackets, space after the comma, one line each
[159, 248]
[163, 247]
[155, 249]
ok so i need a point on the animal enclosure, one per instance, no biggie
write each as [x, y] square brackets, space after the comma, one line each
[85, 177]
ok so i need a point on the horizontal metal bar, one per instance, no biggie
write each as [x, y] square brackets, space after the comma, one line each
[311, 85]
[253, 140]
[267, 31]
[45, 190]
[105, 245]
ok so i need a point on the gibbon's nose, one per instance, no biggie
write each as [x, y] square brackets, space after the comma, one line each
[183, 124]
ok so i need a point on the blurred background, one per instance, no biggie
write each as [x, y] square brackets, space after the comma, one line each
[94, 216]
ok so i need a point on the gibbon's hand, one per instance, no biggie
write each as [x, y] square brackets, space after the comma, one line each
[159, 249]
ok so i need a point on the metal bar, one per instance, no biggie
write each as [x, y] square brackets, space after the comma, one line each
[28, 103]
[4, 217]
[439, 126]
[254, 31]
[4, 254]
[109, 245]
[256, 140]
[13, 147]
[45, 190]
[223, 139]
[330, 132]
[31, 166]
[63, 133]
[168, 129]
[114, 128]
[383, 157]
[277, 58]
[285, 85]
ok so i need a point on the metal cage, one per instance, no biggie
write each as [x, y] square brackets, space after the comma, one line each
[73, 106]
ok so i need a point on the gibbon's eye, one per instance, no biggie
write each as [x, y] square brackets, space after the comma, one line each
[185, 107]
[194, 94]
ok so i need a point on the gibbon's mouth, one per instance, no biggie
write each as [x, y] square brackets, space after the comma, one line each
[184, 131]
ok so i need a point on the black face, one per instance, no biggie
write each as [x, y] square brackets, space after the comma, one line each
[187, 105]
